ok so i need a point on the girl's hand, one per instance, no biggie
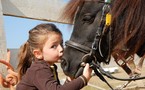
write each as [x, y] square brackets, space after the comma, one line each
[87, 71]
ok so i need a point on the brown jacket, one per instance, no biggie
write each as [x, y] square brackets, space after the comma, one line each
[40, 77]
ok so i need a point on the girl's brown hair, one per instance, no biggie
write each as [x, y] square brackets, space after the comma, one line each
[37, 38]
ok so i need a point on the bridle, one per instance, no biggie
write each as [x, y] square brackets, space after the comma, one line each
[102, 29]
[78, 46]
[90, 53]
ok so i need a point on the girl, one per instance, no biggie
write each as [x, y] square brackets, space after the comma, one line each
[37, 56]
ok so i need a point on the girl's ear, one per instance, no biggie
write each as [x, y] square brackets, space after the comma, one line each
[38, 54]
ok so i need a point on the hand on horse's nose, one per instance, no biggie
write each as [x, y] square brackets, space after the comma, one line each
[87, 71]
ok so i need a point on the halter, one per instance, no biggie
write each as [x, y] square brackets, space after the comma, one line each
[101, 30]
[90, 53]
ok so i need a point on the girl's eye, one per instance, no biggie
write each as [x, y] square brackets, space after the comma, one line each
[54, 46]
[61, 44]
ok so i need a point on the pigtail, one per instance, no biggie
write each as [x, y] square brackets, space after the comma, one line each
[25, 59]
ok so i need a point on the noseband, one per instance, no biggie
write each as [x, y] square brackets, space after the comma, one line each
[83, 49]
[78, 46]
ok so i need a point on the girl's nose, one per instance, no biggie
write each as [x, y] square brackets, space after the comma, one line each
[61, 49]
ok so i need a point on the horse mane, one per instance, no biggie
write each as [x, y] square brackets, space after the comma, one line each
[70, 10]
[128, 23]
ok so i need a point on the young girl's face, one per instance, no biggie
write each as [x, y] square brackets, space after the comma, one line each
[53, 50]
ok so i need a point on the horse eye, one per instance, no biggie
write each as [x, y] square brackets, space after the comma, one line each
[88, 19]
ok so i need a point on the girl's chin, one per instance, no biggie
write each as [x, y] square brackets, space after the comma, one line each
[59, 61]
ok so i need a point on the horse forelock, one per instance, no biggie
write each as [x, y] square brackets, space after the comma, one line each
[71, 8]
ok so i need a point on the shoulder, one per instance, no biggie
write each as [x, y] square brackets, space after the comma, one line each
[38, 68]
[40, 64]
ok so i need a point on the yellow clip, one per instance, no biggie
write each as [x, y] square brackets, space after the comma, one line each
[108, 19]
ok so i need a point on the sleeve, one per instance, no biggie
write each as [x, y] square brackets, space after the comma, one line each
[82, 77]
[44, 80]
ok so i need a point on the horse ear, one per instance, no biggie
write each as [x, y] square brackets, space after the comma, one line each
[37, 53]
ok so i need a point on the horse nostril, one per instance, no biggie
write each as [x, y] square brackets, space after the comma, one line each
[64, 64]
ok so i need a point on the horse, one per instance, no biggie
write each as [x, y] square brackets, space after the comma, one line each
[95, 38]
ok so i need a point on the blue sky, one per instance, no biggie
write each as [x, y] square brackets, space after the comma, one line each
[16, 30]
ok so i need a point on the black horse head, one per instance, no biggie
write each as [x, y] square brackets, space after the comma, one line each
[86, 25]
[87, 16]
